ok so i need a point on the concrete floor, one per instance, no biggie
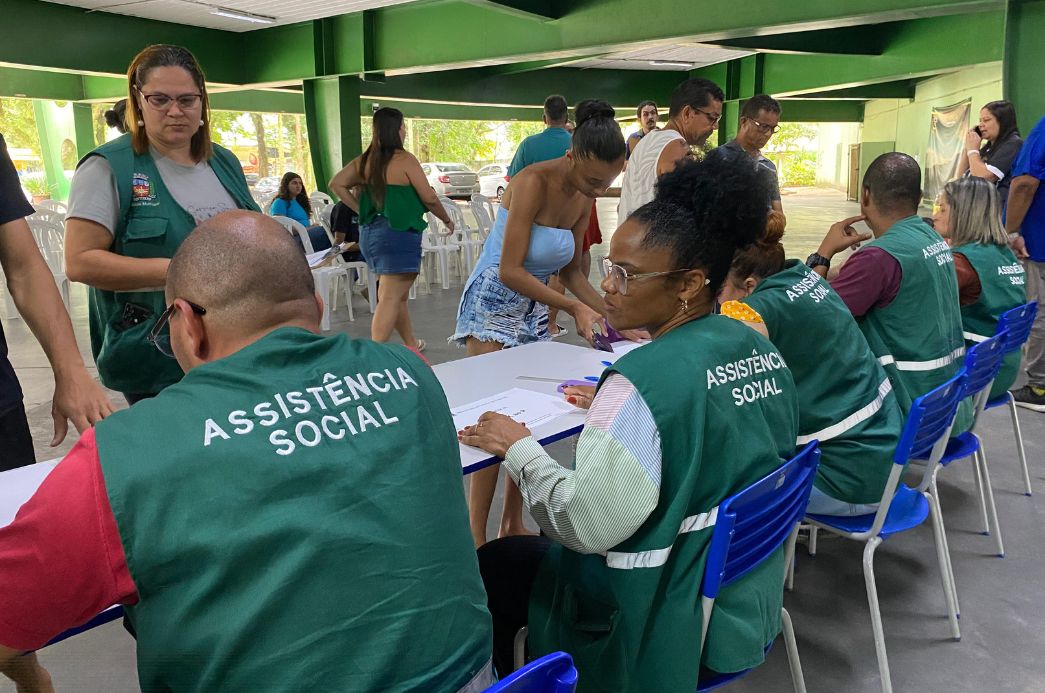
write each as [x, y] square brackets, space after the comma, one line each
[1002, 599]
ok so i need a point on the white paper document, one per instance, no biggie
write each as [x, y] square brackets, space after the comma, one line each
[525, 406]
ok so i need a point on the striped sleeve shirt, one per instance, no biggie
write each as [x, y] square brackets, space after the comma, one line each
[615, 483]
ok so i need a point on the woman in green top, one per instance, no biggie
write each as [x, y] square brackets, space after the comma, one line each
[391, 211]
[990, 278]
[845, 398]
[675, 427]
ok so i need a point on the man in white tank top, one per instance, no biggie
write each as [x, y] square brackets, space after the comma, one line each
[696, 107]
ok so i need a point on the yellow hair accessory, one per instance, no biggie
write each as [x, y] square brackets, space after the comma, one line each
[741, 311]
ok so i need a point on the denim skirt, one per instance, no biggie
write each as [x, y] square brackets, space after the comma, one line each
[491, 312]
[388, 251]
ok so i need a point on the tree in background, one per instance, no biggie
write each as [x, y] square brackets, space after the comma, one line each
[18, 124]
[794, 151]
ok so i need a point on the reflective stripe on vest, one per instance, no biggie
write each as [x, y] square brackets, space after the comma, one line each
[658, 557]
[973, 337]
[922, 365]
[860, 415]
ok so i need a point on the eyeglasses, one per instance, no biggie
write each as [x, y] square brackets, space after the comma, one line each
[713, 117]
[771, 129]
[160, 334]
[619, 276]
[163, 102]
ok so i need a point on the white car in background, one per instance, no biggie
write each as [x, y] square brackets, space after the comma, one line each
[451, 180]
[493, 179]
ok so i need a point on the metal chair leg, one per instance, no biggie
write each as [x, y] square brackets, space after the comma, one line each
[983, 500]
[812, 540]
[943, 558]
[876, 614]
[982, 460]
[1019, 445]
[797, 678]
[519, 647]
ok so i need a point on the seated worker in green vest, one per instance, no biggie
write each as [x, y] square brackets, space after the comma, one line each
[901, 287]
[990, 278]
[845, 399]
[675, 427]
[266, 521]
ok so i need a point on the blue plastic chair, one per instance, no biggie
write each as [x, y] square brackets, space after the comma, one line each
[1017, 322]
[902, 508]
[553, 673]
[751, 525]
[982, 363]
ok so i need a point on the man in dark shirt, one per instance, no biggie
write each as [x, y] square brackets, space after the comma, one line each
[759, 121]
[76, 396]
[647, 115]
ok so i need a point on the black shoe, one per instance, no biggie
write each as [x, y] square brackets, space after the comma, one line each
[1027, 397]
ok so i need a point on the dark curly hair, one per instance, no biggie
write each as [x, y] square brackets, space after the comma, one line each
[284, 192]
[704, 211]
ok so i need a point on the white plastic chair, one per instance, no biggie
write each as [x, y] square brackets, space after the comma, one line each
[53, 206]
[435, 242]
[468, 241]
[322, 276]
[351, 273]
[484, 213]
[50, 239]
[320, 199]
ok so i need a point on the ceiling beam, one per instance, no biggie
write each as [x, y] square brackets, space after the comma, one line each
[539, 9]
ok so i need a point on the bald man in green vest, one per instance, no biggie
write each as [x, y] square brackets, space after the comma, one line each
[288, 516]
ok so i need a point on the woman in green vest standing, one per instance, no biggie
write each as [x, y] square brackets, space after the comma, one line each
[845, 398]
[133, 201]
[990, 278]
[675, 427]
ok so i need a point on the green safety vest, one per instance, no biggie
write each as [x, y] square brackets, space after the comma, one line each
[918, 336]
[631, 619]
[151, 225]
[1002, 287]
[845, 399]
[294, 520]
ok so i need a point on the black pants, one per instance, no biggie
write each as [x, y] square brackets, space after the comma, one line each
[16, 442]
[135, 397]
[509, 568]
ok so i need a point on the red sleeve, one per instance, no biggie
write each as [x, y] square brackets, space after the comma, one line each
[870, 278]
[969, 287]
[62, 556]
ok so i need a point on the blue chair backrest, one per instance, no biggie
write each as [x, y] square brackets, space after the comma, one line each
[553, 673]
[753, 523]
[982, 363]
[1017, 322]
[930, 420]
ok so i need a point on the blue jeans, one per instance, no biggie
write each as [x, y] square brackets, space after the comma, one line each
[822, 504]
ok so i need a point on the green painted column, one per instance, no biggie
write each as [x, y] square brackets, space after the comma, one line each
[83, 124]
[332, 116]
[50, 131]
[1024, 57]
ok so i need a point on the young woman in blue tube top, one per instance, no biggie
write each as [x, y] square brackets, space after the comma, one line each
[539, 230]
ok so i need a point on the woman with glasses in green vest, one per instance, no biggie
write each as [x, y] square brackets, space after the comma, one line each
[990, 278]
[845, 398]
[133, 201]
[675, 427]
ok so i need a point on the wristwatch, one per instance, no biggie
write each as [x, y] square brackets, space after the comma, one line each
[817, 260]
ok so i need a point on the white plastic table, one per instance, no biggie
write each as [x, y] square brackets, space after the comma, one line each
[475, 378]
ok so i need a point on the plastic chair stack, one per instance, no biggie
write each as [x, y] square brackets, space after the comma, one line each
[468, 241]
[484, 213]
[902, 508]
[50, 239]
[751, 525]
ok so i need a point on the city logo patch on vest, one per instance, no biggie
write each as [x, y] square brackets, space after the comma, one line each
[142, 192]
